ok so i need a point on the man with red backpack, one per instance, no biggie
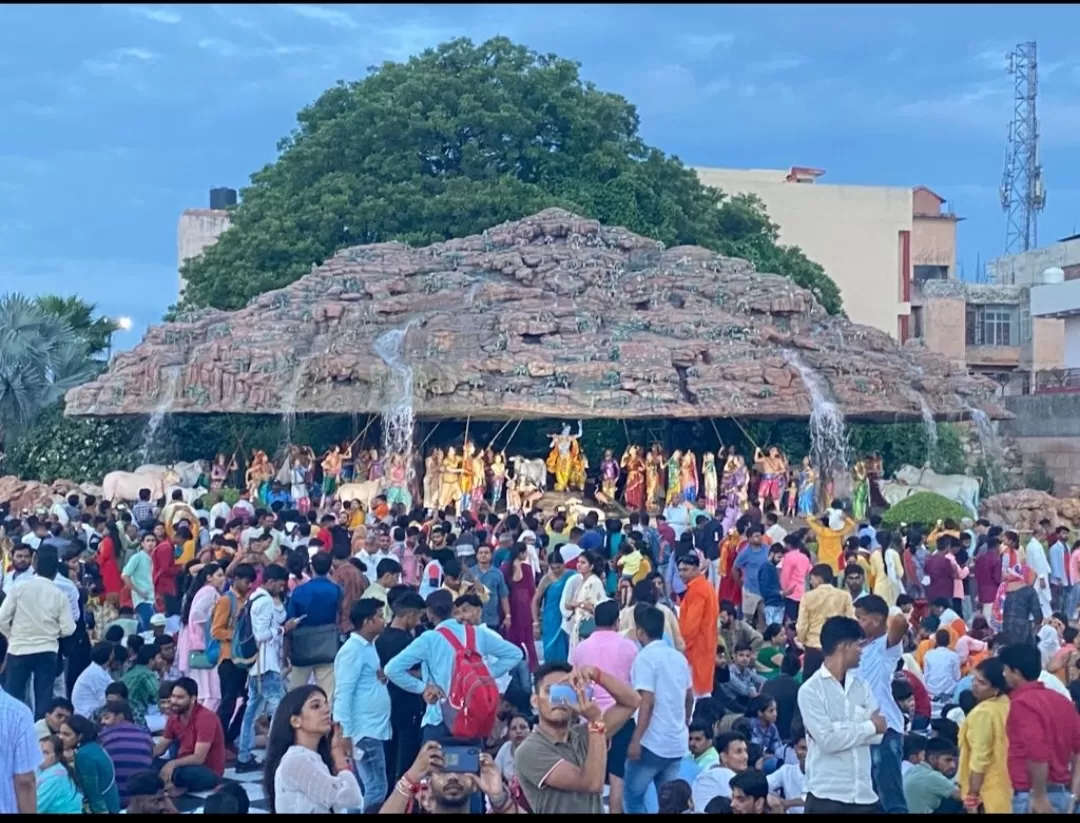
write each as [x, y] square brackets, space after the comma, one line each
[457, 685]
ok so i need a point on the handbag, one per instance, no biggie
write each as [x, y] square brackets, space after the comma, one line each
[208, 657]
[314, 645]
[586, 628]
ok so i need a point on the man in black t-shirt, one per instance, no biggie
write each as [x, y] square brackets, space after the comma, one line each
[406, 709]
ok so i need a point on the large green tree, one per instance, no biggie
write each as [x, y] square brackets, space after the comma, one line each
[458, 139]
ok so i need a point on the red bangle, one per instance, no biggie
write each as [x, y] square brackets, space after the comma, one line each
[597, 728]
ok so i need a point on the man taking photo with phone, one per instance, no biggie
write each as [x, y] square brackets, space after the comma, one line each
[562, 764]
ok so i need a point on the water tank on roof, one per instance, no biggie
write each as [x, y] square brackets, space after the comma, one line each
[222, 198]
[1053, 275]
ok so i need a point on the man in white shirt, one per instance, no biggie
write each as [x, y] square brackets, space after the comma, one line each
[21, 558]
[715, 780]
[842, 721]
[266, 686]
[88, 694]
[941, 672]
[1036, 559]
[34, 616]
[775, 533]
[882, 650]
[371, 560]
[661, 676]
[220, 510]
[789, 781]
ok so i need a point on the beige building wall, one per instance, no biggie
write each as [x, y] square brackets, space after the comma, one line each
[944, 327]
[1047, 344]
[854, 232]
[197, 230]
[933, 242]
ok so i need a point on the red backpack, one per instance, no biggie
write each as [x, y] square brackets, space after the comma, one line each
[470, 710]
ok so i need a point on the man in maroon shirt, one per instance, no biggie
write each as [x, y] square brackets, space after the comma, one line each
[165, 570]
[988, 575]
[200, 758]
[1043, 730]
[941, 571]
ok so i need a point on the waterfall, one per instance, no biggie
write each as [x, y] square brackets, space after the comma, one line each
[829, 449]
[397, 412]
[165, 402]
[931, 432]
[288, 403]
[992, 451]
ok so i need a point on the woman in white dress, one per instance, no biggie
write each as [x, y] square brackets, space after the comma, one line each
[307, 767]
[583, 593]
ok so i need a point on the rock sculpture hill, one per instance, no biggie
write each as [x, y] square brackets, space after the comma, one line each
[553, 315]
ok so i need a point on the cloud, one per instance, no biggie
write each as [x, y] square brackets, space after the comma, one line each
[331, 17]
[222, 48]
[702, 45]
[776, 65]
[136, 54]
[156, 15]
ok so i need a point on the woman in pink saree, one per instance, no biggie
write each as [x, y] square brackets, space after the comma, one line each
[195, 631]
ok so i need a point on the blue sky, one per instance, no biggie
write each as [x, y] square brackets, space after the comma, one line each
[116, 118]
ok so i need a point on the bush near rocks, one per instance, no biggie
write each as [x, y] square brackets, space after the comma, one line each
[925, 508]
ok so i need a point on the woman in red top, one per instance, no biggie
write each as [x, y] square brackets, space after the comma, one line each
[107, 560]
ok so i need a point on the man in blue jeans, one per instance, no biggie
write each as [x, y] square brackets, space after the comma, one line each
[883, 647]
[661, 676]
[265, 686]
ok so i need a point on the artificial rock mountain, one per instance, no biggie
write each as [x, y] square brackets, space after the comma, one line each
[553, 315]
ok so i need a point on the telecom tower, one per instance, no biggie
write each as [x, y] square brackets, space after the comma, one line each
[1022, 192]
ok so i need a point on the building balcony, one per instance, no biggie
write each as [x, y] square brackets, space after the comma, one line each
[991, 356]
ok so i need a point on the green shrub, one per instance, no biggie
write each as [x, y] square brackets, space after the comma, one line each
[925, 508]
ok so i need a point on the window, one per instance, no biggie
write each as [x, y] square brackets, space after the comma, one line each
[992, 326]
[1025, 324]
[916, 322]
[924, 273]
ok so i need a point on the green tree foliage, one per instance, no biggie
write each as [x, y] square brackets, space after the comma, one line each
[925, 509]
[95, 332]
[454, 141]
[83, 449]
[41, 357]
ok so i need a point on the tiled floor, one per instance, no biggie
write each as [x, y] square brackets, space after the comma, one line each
[252, 783]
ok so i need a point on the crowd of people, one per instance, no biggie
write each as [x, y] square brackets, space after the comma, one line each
[420, 660]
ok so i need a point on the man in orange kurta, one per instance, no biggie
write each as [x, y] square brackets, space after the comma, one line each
[699, 615]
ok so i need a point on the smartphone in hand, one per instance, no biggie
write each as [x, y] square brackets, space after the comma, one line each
[461, 759]
[563, 694]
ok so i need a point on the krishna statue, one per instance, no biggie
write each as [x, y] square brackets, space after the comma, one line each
[565, 456]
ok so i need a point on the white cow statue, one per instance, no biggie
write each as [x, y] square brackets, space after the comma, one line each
[118, 486]
[578, 510]
[363, 492]
[189, 495]
[893, 491]
[188, 473]
[957, 487]
[534, 470]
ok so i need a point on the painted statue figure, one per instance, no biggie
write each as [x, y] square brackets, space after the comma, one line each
[636, 471]
[734, 481]
[688, 477]
[708, 476]
[479, 482]
[654, 477]
[332, 466]
[298, 480]
[432, 472]
[565, 453]
[498, 477]
[450, 485]
[792, 494]
[220, 471]
[465, 479]
[260, 475]
[860, 491]
[773, 468]
[807, 488]
[375, 468]
[397, 481]
[674, 479]
[609, 474]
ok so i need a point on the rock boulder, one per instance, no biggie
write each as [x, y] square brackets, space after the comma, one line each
[550, 316]
[1022, 510]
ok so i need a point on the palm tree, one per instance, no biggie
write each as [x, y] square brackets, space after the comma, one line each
[95, 332]
[41, 358]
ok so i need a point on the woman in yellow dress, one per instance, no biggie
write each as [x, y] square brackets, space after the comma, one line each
[983, 771]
